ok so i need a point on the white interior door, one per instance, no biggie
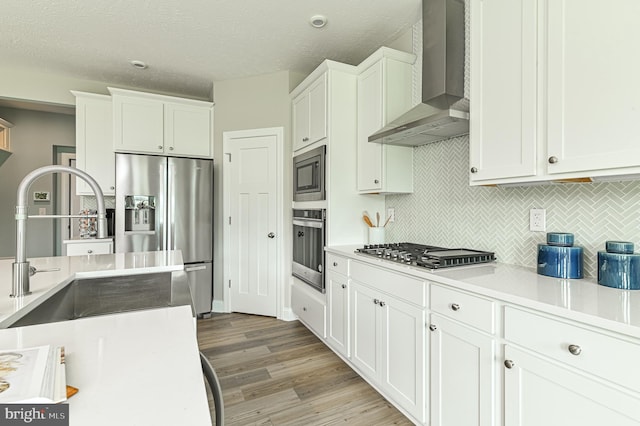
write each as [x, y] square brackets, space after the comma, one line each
[253, 215]
[69, 201]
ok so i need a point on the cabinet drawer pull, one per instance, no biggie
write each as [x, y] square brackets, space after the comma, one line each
[112, 187]
[553, 160]
[159, 146]
[335, 263]
[376, 181]
[304, 308]
[305, 139]
[433, 327]
[474, 170]
[344, 286]
[382, 303]
[455, 307]
[575, 350]
[509, 364]
[376, 301]
[170, 148]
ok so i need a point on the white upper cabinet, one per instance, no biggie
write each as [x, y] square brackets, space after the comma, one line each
[503, 89]
[310, 114]
[384, 92]
[157, 124]
[94, 142]
[593, 107]
[553, 93]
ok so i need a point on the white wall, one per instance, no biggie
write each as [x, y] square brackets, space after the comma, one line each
[251, 103]
[33, 138]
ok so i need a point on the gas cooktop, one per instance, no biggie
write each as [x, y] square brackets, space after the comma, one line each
[424, 256]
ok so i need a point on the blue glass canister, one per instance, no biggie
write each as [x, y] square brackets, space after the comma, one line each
[619, 266]
[559, 258]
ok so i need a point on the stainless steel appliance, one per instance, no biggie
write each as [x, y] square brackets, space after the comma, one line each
[166, 203]
[308, 247]
[308, 175]
[443, 112]
[429, 257]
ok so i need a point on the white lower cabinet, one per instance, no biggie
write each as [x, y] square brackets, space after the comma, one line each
[539, 391]
[479, 360]
[388, 346]
[462, 375]
[338, 312]
[309, 305]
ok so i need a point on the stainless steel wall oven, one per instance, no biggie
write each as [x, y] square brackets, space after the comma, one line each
[308, 246]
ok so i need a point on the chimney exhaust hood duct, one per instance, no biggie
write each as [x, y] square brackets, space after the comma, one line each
[443, 112]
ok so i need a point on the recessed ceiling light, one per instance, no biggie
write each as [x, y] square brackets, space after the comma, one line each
[139, 64]
[318, 21]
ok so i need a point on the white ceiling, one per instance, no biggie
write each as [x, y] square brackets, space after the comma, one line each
[188, 44]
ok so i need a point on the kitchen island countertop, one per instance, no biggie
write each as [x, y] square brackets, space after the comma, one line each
[136, 368]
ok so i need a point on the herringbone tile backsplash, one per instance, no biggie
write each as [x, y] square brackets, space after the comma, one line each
[444, 210]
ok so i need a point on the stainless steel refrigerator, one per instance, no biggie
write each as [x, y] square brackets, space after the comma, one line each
[166, 203]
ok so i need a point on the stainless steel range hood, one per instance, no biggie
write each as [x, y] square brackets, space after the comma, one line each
[443, 112]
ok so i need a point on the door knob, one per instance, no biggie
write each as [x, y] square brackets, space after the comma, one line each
[509, 363]
[271, 235]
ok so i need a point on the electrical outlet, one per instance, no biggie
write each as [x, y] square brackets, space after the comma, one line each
[538, 220]
[391, 214]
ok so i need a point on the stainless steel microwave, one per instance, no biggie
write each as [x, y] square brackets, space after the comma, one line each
[308, 175]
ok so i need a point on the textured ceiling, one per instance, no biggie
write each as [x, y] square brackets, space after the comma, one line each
[188, 44]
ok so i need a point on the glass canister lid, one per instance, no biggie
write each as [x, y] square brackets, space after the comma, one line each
[623, 247]
[564, 239]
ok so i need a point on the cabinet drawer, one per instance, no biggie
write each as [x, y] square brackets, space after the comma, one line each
[603, 355]
[79, 249]
[464, 307]
[309, 309]
[337, 264]
[401, 286]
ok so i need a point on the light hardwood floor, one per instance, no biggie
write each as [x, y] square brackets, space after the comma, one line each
[279, 373]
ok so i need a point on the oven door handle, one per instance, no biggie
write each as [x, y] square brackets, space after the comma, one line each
[309, 223]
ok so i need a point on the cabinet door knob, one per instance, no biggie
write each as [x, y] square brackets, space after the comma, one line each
[170, 148]
[455, 307]
[509, 364]
[575, 350]
[305, 139]
[335, 263]
[376, 301]
[112, 187]
[159, 146]
[474, 170]
[376, 181]
[343, 286]
[304, 308]
[553, 160]
[89, 251]
[382, 303]
[271, 235]
[433, 327]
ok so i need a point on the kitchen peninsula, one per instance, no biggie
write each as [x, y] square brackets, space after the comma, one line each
[138, 367]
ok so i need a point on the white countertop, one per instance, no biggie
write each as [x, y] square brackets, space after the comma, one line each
[581, 300]
[138, 368]
[89, 240]
[44, 284]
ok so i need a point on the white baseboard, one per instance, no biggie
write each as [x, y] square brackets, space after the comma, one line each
[288, 315]
[218, 306]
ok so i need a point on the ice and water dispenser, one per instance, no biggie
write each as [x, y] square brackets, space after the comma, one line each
[140, 213]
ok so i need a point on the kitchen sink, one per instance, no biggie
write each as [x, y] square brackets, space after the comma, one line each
[111, 295]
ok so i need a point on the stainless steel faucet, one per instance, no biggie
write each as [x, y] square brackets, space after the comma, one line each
[21, 272]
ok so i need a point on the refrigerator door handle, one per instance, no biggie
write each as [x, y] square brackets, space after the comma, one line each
[170, 227]
[194, 268]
